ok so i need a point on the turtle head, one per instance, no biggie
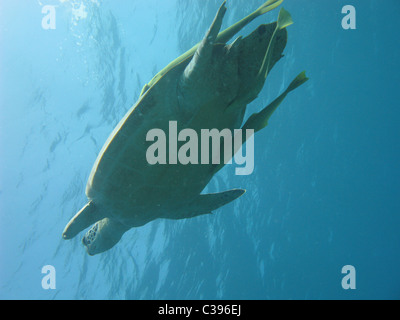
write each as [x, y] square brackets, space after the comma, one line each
[103, 236]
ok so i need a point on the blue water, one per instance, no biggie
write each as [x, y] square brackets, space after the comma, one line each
[326, 186]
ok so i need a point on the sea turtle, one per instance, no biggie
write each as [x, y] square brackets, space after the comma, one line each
[207, 87]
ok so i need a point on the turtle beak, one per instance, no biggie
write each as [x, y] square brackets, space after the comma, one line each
[84, 241]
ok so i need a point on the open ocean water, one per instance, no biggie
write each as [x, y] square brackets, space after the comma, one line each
[325, 189]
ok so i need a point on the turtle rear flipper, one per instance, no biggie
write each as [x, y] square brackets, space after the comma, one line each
[259, 120]
[223, 37]
[202, 57]
[88, 215]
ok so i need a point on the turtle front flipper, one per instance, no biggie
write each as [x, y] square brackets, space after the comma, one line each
[206, 203]
[88, 215]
